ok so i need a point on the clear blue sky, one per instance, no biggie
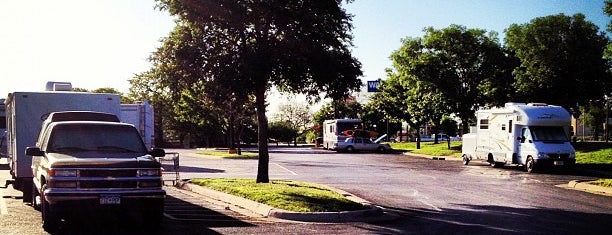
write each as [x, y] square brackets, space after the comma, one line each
[97, 44]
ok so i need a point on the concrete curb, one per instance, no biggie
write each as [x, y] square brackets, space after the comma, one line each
[585, 186]
[373, 213]
[450, 158]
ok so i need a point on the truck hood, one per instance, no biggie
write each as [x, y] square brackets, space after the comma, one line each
[114, 160]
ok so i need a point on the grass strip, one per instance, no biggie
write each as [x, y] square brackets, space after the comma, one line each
[226, 155]
[286, 195]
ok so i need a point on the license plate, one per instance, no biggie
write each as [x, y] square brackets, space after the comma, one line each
[558, 163]
[110, 199]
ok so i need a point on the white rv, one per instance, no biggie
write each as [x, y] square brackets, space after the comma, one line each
[534, 135]
[333, 131]
[2, 129]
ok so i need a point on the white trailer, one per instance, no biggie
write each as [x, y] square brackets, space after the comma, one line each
[2, 129]
[333, 131]
[141, 116]
[534, 135]
[25, 112]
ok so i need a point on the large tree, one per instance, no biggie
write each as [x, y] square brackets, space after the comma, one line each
[452, 70]
[561, 60]
[250, 46]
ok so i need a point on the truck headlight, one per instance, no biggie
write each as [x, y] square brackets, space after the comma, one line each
[63, 172]
[149, 172]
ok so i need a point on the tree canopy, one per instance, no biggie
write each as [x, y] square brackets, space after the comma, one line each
[561, 60]
[250, 46]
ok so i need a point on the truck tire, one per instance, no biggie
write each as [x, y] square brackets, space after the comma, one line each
[50, 220]
[381, 149]
[530, 165]
[350, 149]
[466, 159]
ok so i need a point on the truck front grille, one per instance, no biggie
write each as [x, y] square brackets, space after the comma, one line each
[107, 184]
[108, 173]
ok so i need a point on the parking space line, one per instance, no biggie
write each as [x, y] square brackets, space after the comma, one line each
[293, 173]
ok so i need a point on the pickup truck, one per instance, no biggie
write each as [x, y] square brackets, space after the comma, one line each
[89, 167]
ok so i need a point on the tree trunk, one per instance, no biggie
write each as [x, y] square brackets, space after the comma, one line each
[262, 136]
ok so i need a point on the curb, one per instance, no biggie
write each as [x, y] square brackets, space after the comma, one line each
[591, 188]
[450, 158]
[372, 214]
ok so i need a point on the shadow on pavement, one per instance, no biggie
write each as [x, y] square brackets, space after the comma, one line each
[191, 169]
[181, 217]
[485, 219]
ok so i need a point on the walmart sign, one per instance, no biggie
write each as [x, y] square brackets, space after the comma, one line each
[373, 86]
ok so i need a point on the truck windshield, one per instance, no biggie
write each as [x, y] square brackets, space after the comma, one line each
[106, 138]
[548, 133]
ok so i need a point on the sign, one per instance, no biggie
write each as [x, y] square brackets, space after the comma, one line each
[373, 86]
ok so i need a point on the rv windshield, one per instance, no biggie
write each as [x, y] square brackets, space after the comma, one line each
[548, 133]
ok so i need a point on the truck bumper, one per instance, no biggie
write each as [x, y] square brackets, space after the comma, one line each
[61, 200]
[547, 162]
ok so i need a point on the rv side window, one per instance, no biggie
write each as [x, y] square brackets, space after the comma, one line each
[484, 123]
[503, 127]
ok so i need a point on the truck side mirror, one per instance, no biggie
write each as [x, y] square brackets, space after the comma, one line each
[157, 152]
[33, 151]
[522, 139]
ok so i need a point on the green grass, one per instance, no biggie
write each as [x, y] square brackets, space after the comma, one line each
[596, 153]
[287, 195]
[429, 148]
[602, 182]
[225, 154]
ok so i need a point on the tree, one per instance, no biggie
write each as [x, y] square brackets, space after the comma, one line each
[466, 66]
[282, 131]
[297, 114]
[608, 11]
[561, 60]
[250, 46]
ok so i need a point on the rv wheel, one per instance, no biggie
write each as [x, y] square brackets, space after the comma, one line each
[529, 165]
[466, 159]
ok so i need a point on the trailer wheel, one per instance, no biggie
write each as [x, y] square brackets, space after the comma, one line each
[35, 194]
[466, 159]
[530, 165]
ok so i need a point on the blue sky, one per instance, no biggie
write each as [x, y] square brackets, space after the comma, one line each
[380, 25]
[97, 44]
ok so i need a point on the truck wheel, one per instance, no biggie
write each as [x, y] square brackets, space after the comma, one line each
[466, 159]
[350, 149]
[530, 165]
[382, 149]
[50, 220]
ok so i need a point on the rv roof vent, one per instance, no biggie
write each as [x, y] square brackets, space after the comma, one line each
[58, 86]
[537, 104]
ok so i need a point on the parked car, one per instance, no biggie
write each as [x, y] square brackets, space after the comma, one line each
[353, 144]
[441, 137]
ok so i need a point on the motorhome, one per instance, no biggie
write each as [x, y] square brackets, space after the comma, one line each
[333, 130]
[533, 135]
